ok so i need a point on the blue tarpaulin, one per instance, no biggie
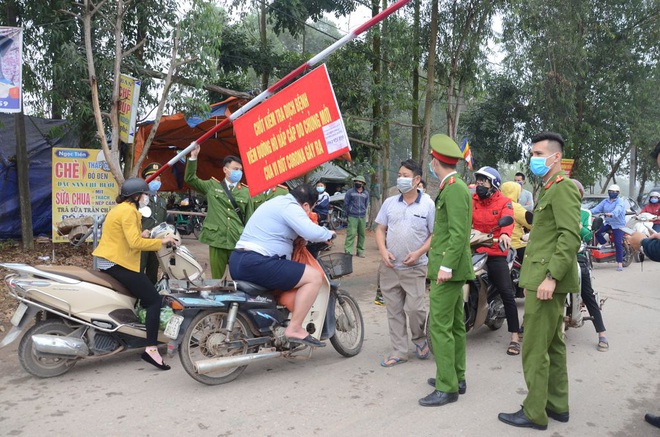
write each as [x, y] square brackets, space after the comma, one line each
[41, 136]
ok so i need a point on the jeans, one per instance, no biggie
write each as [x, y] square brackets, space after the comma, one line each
[618, 240]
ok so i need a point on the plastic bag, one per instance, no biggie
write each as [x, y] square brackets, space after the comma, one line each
[165, 316]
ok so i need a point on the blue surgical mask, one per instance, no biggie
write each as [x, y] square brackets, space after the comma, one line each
[320, 189]
[154, 185]
[433, 171]
[537, 165]
[235, 176]
[654, 200]
[613, 194]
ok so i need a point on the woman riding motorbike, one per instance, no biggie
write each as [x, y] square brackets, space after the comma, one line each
[488, 206]
[653, 207]
[614, 209]
[118, 255]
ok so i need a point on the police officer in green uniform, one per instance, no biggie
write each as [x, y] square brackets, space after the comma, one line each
[278, 190]
[158, 209]
[450, 265]
[224, 222]
[549, 271]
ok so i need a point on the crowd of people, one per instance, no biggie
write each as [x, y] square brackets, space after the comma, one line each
[420, 242]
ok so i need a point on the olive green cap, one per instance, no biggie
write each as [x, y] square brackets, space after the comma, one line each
[445, 146]
[359, 179]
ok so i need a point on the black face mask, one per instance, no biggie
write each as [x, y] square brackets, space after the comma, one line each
[483, 192]
[357, 186]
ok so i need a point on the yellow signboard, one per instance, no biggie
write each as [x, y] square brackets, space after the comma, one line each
[129, 90]
[83, 186]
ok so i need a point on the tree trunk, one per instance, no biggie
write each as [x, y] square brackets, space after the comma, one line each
[416, 152]
[430, 78]
[633, 171]
[377, 187]
[385, 156]
[615, 168]
[264, 43]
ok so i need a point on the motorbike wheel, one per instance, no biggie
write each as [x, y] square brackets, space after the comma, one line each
[627, 255]
[204, 338]
[495, 324]
[41, 366]
[349, 330]
[197, 225]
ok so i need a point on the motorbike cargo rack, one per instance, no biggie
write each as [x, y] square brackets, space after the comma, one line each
[337, 264]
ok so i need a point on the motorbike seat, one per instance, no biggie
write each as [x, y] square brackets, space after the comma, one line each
[92, 276]
[252, 289]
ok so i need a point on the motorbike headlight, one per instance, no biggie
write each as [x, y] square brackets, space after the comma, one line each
[480, 263]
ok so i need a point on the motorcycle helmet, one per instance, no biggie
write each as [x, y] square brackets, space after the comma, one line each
[615, 188]
[134, 186]
[492, 175]
[654, 194]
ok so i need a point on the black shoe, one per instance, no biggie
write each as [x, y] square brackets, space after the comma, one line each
[307, 341]
[520, 420]
[653, 420]
[462, 386]
[559, 417]
[146, 357]
[438, 398]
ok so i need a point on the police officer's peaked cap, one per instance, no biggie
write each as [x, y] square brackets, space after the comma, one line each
[445, 149]
[151, 169]
[359, 179]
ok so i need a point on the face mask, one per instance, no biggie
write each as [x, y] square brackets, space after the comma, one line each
[482, 192]
[320, 189]
[235, 176]
[154, 185]
[144, 201]
[433, 171]
[654, 200]
[613, 195]
[520, 183]
[404, 184]
[538, 167]
[357, 186]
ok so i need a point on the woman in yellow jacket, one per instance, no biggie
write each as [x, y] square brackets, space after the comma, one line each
[522, 217]
[118, 255]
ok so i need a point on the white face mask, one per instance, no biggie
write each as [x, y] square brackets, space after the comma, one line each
[144, 200]
[404, 184]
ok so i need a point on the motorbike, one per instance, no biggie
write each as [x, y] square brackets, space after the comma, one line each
[217, 326]
[642, 222]
[482, 303]
[187, 224]
[607, 253]
[337, 218]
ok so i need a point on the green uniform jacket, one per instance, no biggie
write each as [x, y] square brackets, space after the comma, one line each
[555, 237]
[450, 244]
[158, 213]
[260, 198]
[222, 226]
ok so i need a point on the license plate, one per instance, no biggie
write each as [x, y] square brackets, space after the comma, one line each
[172, 328]
[18, 315]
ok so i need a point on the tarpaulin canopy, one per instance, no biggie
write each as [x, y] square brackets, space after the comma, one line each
[41, 136]
[175, 133]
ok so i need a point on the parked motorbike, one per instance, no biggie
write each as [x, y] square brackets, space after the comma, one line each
[187, 224]
[87, 314]
[482, 303]
[642, 222]
[337, 218]
[607, 253]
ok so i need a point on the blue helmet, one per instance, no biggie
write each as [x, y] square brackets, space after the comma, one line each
[492, 175]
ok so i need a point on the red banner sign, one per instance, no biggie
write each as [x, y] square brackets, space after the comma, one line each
[567, 166]
[291, 133]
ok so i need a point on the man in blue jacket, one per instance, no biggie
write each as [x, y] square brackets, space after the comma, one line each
[356, 202]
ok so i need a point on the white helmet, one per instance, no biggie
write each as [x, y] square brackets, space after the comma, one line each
[654, 194]
[614, 187]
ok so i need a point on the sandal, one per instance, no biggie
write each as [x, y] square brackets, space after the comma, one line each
[419, 351]
[603, 345]
[513, 349]
[392, 361]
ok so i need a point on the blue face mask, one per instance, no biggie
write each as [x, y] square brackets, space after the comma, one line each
[235, 176]
[537, 166]
[154, 185]
[613, 194]
[320, 189]
[433, 171]
[654, 200]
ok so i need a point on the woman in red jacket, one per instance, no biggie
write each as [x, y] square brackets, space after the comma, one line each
[653, 207]
[488, 206]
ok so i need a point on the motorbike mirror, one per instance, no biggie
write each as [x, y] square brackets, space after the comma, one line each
[145, 211]
[529, 217]
[597, 224]
[505, 221]
[170, 219]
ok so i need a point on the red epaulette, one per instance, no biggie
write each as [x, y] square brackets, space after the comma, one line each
[283, 186]
[213, 178]
[452, 180]
[558, 179]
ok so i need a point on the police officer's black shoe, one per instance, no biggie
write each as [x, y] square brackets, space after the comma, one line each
[520, 420]
[653, 420]
[560, 417]
[438, 398]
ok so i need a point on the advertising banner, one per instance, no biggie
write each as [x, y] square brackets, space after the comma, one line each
[567, 166]
[82, 186]
[129, 91]
[291, 133]
[11, 61]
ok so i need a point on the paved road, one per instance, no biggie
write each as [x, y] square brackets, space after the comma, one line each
[332, 395]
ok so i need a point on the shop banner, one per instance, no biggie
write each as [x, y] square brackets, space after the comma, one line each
[11, 61]
[129, 90]
[291, 133]
[83, 186]
[567, 166]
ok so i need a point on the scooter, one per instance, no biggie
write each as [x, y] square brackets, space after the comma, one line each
[482, 304]
[643, 223]
[220, 326]
[607, 253]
